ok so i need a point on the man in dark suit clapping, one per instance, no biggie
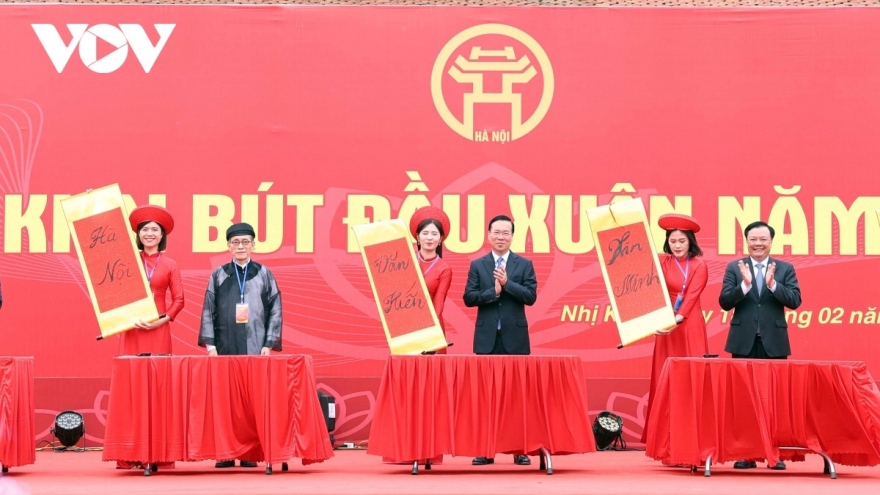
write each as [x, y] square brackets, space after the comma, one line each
[501, 284]
[759, 288]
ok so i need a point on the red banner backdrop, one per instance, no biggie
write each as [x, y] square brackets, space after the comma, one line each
[305, 121]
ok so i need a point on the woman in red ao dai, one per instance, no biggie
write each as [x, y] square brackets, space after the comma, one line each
[152, 224]
[686, 276]
[430, 226]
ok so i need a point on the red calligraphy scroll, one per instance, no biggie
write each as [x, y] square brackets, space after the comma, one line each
[115, 278]
[632, 273]
[111, 266]
[631, 270]
[403, 302]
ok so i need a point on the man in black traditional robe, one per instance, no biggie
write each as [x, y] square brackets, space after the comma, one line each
[242, 310]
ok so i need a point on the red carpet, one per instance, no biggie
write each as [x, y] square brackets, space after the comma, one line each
[355, 472]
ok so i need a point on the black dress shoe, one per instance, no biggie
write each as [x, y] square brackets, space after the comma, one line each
[522, 460]
[247, 464]
[224, 464]
[779, 466]
[482, 461]
[745, 464]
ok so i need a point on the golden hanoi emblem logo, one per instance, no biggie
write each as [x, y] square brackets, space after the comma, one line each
[492, 83]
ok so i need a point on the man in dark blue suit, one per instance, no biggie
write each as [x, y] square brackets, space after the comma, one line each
[759, 288]
[501, 285]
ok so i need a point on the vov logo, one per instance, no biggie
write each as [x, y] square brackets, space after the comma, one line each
[86, 38]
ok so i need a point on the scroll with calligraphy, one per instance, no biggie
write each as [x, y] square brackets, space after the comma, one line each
[405, 308]
[118, 287]
[631, 269]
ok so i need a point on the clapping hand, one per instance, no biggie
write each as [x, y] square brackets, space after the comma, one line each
[745, 272]
[500, 279]
[501, 276]
[678, 319]
[771, 275]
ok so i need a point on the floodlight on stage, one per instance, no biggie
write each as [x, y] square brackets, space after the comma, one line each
[69, 428]
[608, 430]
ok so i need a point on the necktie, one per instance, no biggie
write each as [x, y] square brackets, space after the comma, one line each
[498, 263]
[759, 276]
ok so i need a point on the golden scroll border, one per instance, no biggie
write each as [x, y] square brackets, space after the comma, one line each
[621, 214]
[93, 202]
[423, 340]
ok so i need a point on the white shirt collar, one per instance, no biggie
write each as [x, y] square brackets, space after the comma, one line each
[505, 257]
[765, 262]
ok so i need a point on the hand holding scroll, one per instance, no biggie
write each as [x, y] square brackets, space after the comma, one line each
[143, 325]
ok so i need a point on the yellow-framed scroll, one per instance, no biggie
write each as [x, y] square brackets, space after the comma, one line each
[114, 275]
[405, 307]
[631, 269]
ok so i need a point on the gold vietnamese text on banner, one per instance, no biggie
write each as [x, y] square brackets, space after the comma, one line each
[405, 307]
[114, 275]
[631, 268]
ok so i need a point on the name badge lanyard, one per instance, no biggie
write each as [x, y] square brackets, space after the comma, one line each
[242, 280]
[147, 266]
[687, 268]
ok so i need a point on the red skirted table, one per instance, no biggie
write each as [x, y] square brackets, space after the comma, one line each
[719, 410]
[16, 412]
[481, 406]
[193, 408]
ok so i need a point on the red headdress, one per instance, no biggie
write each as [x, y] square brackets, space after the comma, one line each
[429, 212]
[151, 213]
[677, 221]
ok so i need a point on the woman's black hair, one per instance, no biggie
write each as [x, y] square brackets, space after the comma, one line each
[693, 247]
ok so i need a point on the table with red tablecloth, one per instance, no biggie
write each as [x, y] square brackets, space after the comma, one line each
[724, 410]
[16, 412]
[193, 408]
[480, 406]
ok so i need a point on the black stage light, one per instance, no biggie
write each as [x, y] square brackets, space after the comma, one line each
[328, 407]
[69, 428]
[608, 430]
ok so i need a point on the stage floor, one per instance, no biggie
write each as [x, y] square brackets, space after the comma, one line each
[354, 472]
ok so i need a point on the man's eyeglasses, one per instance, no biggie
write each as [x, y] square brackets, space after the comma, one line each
[501, 234]
[245, 243]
